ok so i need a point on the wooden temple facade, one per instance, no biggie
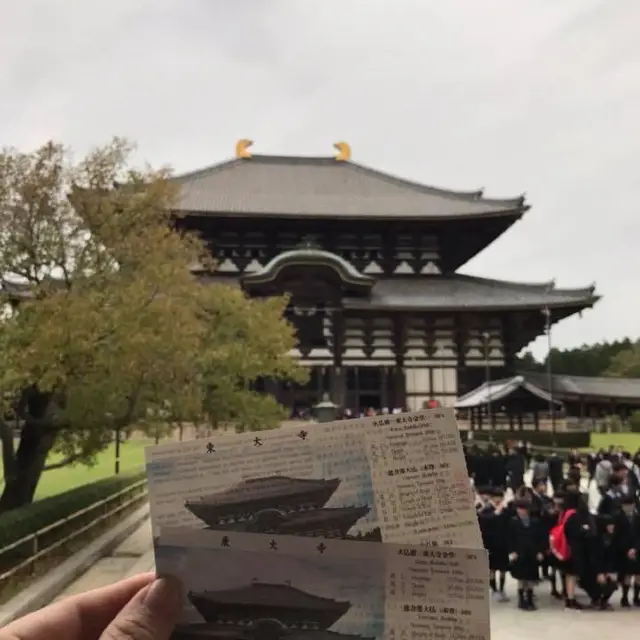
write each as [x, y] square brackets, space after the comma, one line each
[370, 262]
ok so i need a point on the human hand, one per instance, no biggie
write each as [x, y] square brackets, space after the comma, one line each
[140, 608]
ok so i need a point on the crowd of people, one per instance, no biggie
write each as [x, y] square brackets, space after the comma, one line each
[549, 531]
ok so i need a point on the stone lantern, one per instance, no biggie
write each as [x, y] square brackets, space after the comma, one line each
[325, 410]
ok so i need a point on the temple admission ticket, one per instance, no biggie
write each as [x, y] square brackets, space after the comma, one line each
[306, 496]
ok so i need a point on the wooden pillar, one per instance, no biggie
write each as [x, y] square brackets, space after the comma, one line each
[400, 349]
[508, 322]
[338, 378]
[384, 388]
[461, 339]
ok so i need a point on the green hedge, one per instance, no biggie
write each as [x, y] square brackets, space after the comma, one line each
[563, 440]
[21, 522]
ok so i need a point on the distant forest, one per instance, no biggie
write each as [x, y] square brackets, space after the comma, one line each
[620, 358]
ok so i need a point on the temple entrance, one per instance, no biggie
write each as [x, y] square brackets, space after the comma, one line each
[367, 387]
[300, 398]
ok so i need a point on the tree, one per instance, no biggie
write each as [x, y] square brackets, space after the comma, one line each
[528, 362]
[626, 363]
[587, 360]
[112, 330]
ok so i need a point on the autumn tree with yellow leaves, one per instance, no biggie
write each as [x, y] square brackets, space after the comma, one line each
[105, 327]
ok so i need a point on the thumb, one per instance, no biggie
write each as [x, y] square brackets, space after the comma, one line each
[150, 615]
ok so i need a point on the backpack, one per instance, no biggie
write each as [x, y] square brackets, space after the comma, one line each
[557, 538]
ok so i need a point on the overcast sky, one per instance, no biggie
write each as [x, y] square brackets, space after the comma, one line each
[535, 96]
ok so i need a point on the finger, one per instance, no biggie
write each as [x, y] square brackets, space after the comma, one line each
[151, 614]
[85, 615]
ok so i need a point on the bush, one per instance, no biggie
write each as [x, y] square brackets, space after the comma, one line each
[21, 522]
[634, 422]
[563, 440]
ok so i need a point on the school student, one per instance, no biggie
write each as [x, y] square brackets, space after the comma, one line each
[525, 545]
[628, 525]
[607, 559]
[496, 523]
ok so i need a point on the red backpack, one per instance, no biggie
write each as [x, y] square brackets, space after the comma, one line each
[557, 538]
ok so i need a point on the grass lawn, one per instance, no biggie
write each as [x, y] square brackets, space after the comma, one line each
[59, 480]
[628, 441]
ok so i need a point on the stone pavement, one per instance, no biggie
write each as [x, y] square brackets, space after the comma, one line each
[134, 555]
[509, 623]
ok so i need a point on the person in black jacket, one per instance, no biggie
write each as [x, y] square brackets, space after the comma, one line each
[574, 566]
[542, 510]
[556, 474]
[497, 469]
[606, 560]
[492, 519]
[515, 468]
[555, 566]
[525, 544]
[628, 525]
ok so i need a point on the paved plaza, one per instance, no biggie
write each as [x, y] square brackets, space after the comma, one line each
[552, 622]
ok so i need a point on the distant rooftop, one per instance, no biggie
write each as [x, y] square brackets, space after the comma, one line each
[579, 387]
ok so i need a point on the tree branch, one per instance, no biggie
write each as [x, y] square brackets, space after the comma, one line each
[63, 463]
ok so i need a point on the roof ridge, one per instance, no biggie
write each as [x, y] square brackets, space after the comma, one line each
[212, 168]
[478, 194]
[531, 285]
[600, 378]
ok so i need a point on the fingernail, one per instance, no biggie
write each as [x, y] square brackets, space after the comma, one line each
[164, 593]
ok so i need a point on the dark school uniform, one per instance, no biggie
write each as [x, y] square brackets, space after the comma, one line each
[497, 541]
[628, 531]
[555, 472]
[525, 538]
[607, 549]
[497, 470]
[515, 467]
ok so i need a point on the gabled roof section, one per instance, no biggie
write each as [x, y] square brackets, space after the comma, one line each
[497, 390]
[280, 186]
[297, 258]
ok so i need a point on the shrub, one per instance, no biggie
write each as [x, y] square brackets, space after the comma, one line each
[634, 422]
[562, 439]
[21, 522]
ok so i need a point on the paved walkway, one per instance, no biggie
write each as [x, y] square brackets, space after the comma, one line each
[134, 555]
[551, 620]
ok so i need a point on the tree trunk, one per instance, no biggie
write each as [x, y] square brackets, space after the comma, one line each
[36, 441]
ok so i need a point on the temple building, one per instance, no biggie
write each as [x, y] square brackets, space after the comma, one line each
[370, 262]
[264, 611]
[279, 505]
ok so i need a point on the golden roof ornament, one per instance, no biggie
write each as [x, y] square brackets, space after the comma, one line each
[242, 148]
[344, 151]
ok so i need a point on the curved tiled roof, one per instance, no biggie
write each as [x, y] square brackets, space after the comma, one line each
[457, 291]
[585, 386]
[317, 187]
[263, 594]
[497, 390]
